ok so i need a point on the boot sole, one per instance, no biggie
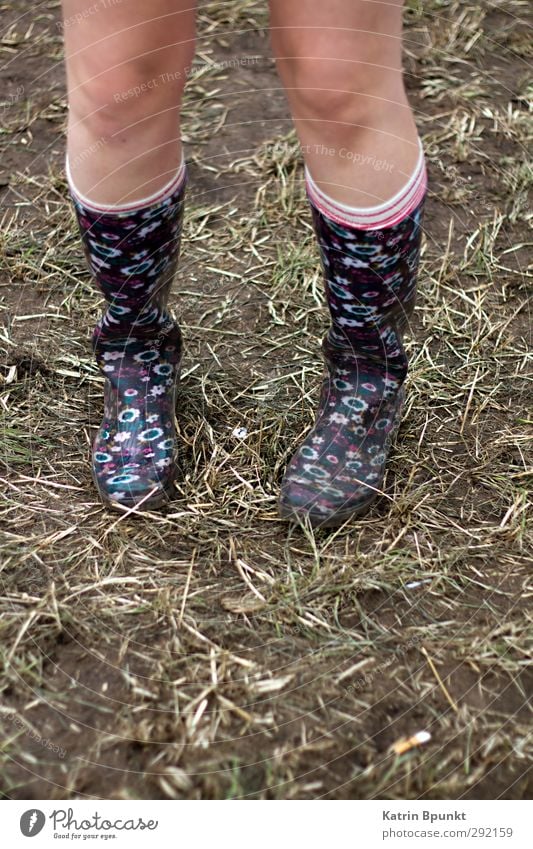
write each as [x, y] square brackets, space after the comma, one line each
[318, 520]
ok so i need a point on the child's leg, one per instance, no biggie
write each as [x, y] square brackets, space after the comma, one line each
[126, 66]
[341, 64]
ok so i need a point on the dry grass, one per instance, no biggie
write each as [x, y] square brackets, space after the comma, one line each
[208, 651]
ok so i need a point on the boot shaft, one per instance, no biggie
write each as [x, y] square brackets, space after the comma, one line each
[133, 256]
[370, 282]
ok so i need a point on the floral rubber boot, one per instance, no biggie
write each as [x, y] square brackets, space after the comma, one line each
[133, 254]
[370, 280]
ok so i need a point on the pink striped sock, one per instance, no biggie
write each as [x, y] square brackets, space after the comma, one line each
[373, 217]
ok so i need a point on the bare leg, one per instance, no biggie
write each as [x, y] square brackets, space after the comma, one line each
[340, 62]
[126, 69]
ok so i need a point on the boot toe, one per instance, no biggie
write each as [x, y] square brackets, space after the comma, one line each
[323, 506]
[144, 487]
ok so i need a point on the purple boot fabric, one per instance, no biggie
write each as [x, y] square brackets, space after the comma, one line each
[370, 281]
[133, 255]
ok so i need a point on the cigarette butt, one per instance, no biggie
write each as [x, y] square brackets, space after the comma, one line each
[405, 744]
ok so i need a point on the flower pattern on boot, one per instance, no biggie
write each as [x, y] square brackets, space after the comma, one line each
[370, 281]
[133, 255]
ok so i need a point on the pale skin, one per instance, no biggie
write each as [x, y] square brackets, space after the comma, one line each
[339, 61]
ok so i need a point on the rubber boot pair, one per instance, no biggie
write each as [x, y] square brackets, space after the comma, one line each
[370, 279]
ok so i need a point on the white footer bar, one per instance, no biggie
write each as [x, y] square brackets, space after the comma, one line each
[267, 825]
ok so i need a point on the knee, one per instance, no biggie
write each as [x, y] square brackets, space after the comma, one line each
[340, 76]
[341, 91]
[108, 101]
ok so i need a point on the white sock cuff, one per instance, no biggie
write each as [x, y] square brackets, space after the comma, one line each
[156, 197]
[373, 217]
